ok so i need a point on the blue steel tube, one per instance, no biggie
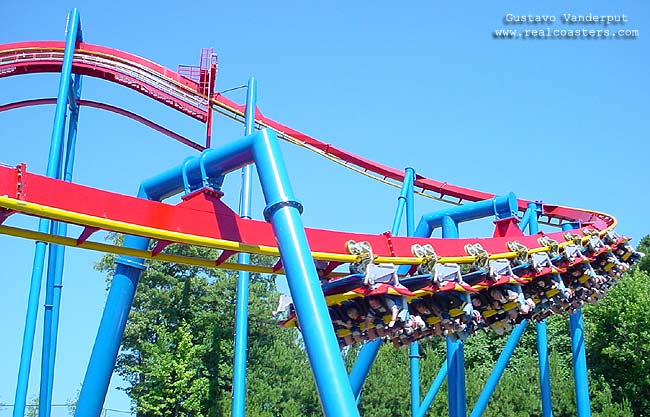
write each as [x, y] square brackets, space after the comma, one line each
[534, 209]
[402, 200]
[72, 32]
[320, 340]
[60, 254]
[544, 369]
[283, 212]
[52, 256]
[241, 309]
[433, 391]
[455, 356]
[461, 396]
[414, 361]
[503, 207]
[455, 377]
[414, 348]
[580, 376]
[52, 171]
[361, 367]
[449, 227]
[43, 405]
[576, 326]
[20, 399]
[410, 201]
[111, 328]
[523, 223]
[498, 369]
[369, 351]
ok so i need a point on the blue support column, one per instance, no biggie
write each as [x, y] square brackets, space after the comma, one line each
[544, 369]
[455, 373]
[73, 33]
[405, 200]
[580, 376]
[409, 178]
[433, 391]
[414, 360]
[534, 210]
[283, 211]
[498, 369]
[414, 347]
[449, 227]
[55, 268]
[361, 367]
[20, 399]
[455, 356]
[369, 350]
[320, 340]
[501, 207]
[44, 407]
[526, 218]
[241, 309]
[111, 328]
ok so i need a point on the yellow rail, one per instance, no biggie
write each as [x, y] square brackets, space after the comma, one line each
[43, 211]
[235, 113]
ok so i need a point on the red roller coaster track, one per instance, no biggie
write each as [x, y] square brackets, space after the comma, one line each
[40, 196]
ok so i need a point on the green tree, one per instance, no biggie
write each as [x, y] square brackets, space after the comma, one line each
[644, 263]
[619, 341]
[31, 410]
[279, 379]
[387, 390]
[175, 379]
[71, 403]
[177, 350]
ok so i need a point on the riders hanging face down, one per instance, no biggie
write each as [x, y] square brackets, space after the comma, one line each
[380, 306]
[350, 317]
[321, 270]
[504, 295]
[396, 308]
[501, 297]
[429, 311]
[457, 314]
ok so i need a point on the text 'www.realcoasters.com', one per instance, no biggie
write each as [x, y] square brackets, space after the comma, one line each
[566, 26]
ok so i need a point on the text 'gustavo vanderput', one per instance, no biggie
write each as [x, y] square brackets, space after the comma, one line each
[573, 26]
[566, 18]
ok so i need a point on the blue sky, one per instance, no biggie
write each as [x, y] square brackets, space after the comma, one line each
[421, 84]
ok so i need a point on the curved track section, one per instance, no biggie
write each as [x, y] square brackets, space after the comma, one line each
[178, 92]
[503, 266]
[113, 109]
[139, 74]
[503, 286]
[202, 219]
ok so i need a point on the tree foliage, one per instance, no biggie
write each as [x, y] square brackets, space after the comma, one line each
[619, 341]
[178, 348]
[644, 263]
[517, 395]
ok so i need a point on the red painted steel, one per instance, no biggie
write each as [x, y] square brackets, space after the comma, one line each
[205, 215]
[507, 227]
[19, 58]
[112, 65]
[108, 107]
